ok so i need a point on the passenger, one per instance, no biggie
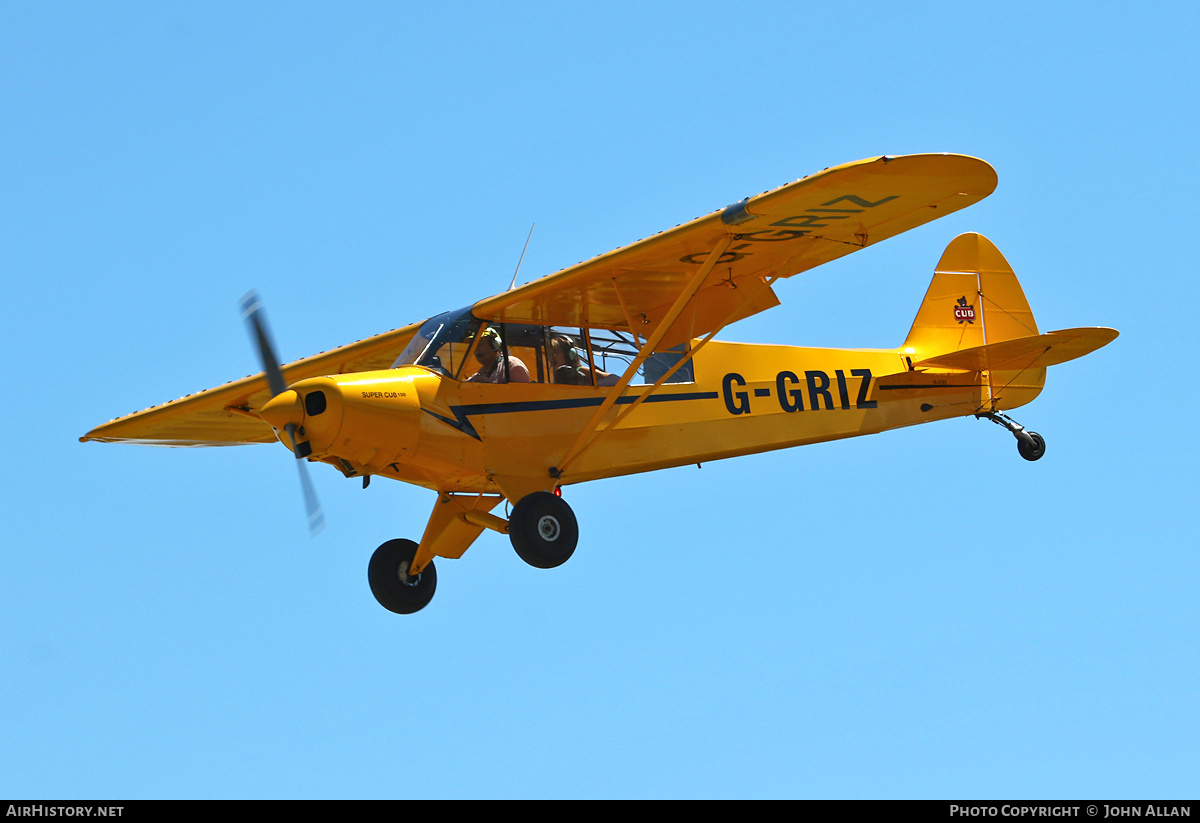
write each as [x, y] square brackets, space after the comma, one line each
[489, 354]
[567, 368]
[564, 363]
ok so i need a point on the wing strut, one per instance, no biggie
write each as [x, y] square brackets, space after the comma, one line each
[685, 296]
[763, 285]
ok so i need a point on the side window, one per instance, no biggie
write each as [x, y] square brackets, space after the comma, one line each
[613, 352]
[661, 362]
[504, 353]
[525, 344]
[452, 357]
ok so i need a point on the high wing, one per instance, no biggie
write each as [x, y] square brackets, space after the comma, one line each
[688, 276]
[223, 416]
[779, 233]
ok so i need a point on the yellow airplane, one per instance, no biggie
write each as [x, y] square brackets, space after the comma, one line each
[609, 368]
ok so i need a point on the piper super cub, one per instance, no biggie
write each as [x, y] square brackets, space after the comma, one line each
[609, 368]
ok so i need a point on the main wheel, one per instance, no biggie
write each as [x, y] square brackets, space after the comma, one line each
[394, 588]
[1033, 448]
[543, 530]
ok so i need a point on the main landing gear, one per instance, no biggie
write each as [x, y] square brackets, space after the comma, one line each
[394, 588]
[1030, 445]
[542, 529]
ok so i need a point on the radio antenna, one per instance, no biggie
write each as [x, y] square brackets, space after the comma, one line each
[513, 284]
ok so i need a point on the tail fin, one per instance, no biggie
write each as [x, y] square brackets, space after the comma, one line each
[974, 300]
[974, 303]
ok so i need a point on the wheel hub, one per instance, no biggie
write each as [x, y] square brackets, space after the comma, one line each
[549, 528]
[404, 577]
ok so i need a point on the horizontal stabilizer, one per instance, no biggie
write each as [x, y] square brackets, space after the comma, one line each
[1035, 351]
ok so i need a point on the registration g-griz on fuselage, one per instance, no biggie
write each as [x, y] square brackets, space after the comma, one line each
[791, 394]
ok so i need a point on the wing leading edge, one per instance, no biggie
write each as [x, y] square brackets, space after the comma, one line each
[224, 416]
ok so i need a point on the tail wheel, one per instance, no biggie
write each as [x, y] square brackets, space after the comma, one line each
[543, 530]
[394, 588]
[1032, 446]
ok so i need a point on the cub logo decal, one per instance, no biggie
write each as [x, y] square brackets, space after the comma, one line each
[964, 312]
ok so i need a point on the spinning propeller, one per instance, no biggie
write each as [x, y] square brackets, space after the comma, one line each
[256, 320]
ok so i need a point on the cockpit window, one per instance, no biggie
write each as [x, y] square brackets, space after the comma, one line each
[441, 344]
[565, 356]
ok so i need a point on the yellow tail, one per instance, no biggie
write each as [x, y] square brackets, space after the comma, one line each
[976, 302]
[976, 325]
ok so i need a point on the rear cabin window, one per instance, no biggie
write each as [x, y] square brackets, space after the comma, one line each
[613, 351]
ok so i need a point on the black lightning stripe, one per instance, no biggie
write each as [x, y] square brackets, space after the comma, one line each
[462, 414]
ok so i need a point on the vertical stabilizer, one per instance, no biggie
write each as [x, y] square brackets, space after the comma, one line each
[974, 299]
[975, 302]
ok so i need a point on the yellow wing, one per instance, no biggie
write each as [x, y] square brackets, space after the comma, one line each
[775, 234]
[779, 233]
[223, 416]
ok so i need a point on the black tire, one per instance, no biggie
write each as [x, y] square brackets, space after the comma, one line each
[397, 593]
[1033, 448]
[543, 530]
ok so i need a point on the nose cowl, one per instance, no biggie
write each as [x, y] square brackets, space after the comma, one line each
[282, 409]
[312, 408]
[369, 418]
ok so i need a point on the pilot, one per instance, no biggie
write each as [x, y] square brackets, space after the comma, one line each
[489, 353]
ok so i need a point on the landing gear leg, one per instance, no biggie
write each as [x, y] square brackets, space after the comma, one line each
[1030, 445]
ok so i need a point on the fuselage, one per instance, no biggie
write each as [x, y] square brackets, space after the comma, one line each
[416, 425]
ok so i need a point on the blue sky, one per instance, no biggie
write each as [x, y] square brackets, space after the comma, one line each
[915, 614]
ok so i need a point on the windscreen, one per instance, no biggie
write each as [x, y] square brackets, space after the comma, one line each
[441, 343]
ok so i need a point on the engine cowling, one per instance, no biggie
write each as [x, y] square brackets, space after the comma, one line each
[370, 418]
